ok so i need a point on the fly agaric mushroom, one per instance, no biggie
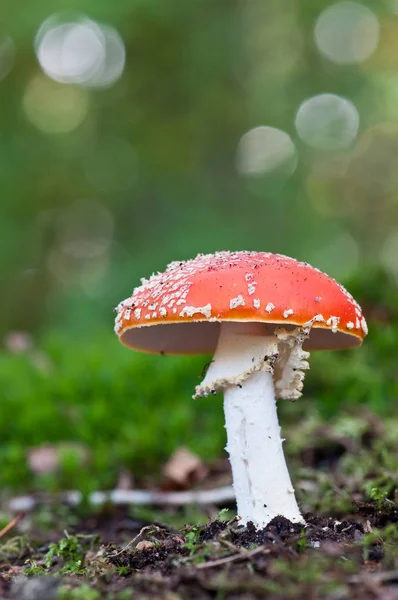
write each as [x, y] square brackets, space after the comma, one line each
[259, 313]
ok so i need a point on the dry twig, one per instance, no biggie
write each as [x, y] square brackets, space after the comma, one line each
[137, 538]
[135, 497]
[12, 524]
[234, 558]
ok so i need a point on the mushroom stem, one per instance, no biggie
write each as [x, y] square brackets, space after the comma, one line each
[261, 479]
[243, 368]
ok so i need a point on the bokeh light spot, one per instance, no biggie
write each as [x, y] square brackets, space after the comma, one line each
[264, 150]
[80, 51]
[112, 65]
[80, 253]
[7, 56]
[347, 33]
[53, 108]
[327, 122]
[85, 230]
[389, 254]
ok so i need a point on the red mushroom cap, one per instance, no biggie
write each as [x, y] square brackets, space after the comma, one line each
[191, 298]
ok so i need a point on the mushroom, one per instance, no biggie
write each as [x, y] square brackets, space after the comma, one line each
[259, 313]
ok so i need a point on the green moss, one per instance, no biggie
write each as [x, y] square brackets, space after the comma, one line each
[126, 410]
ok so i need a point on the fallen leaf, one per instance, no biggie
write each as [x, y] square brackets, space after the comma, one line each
[47, 459]
[184, 468]
[43, 459]
[125, 481]
[18, 342]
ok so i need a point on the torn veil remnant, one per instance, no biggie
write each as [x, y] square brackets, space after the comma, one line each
[260, 314]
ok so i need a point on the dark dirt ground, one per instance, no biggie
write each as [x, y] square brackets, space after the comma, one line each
[326, 558]
[348, 548]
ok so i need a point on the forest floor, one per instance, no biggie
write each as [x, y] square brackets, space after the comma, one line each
[348, 548]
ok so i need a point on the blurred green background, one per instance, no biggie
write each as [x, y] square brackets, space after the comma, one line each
[139, 132]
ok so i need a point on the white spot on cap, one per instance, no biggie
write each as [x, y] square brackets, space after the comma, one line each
[350, 325]
[318, 299]
[357, 323]
[288, 312]
[121, 305]
[251, 288]
[333, 322]
[137, 313]
[317, 318]
[189, 311]
[162, 312]
[148, 316]
[270, 307]
[364, 326]
[249, 276]
[256, 303]
[238, 301]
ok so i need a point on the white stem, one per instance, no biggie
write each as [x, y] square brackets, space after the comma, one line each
[261, 480]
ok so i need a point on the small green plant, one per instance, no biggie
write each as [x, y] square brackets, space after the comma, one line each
[387, 536]
[192, 539]
[223, 514]
[379, 496]
[302, 542]
[34, 569]
[17, 546]
[69, 549]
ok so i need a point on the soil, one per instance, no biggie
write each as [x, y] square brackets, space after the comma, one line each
[326, 558]
[163, 566]
[347, 548]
